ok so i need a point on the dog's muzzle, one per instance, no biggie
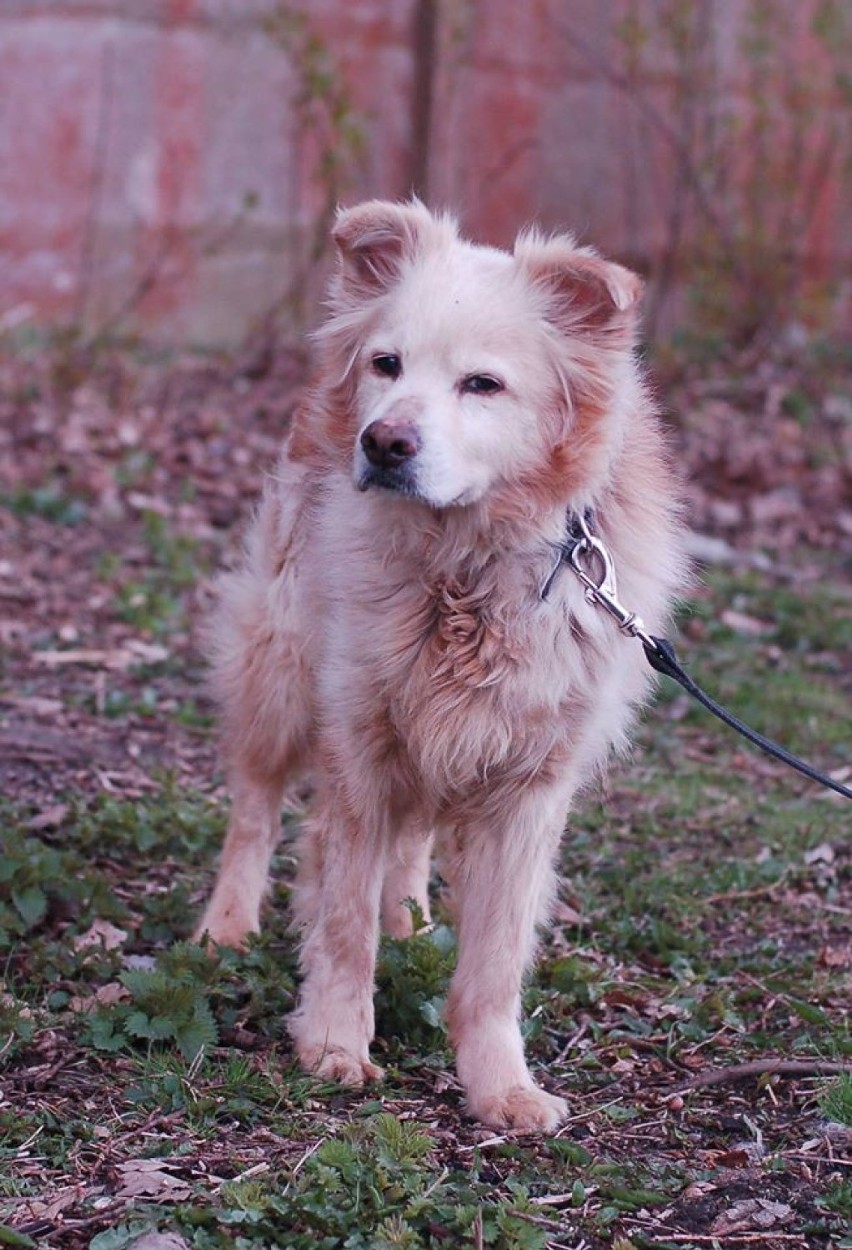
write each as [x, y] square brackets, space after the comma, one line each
[390, 448]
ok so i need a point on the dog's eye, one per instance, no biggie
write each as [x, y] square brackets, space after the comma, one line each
[387, 364]
[481, 384]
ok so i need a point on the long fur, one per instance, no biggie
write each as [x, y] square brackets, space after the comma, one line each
[392, 645]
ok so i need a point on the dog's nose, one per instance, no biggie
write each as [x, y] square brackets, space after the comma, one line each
[388, 443]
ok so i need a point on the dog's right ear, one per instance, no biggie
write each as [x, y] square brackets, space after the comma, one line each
[375, 239]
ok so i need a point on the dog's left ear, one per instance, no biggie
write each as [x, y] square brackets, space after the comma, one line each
[587, 295]
[374, 240]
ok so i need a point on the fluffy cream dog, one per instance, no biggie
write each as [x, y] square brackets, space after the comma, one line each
[386, 635]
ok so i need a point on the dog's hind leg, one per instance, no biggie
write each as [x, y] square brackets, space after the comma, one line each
[266, 723]
[406, 878]
[336, 904]
[260, 674]
[502, 878]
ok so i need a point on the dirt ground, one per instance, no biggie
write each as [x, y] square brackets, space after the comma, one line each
[124, 481]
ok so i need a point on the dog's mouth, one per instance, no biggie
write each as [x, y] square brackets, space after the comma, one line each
[402, 480]
[399, 480]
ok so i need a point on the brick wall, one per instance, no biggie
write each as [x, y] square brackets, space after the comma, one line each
[160, 157]
[166, 166]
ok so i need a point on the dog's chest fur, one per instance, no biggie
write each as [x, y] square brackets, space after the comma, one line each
[475, 708]
[456, 682]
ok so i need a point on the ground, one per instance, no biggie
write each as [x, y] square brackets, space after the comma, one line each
[691, 1000]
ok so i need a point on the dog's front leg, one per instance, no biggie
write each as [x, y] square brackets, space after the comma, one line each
[336, 905]
[502, 878]
[233, 911]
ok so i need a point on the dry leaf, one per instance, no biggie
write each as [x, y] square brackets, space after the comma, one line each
[822, 854]
[148, 1178]
[48, 1209]
[565, 914]
[618, 997]
[50, 818]
[733, 1159]
[101, 933]
[749, 626]
[149, 503]
[836, 956]
[750, 1214]
[158, 1241]
[100, 659]
[34, 705]
[623, 1066]
[698, 1189]
[708, 549]
[112, 992]
[139, 961]
[135, 651]
[104, 996]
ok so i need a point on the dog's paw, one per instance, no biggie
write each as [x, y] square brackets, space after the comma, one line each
[225, 926]
[335, 1064]
[525, 1108]
[233, 935]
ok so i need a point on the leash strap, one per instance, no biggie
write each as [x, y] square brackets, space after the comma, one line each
[591, 561]
[661, 656]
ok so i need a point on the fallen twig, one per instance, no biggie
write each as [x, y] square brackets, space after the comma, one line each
[736, 896]
[763, 1067]
[714, 1239]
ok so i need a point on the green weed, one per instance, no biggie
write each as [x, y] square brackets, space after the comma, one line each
[175, 555]
[40, 883]
[375, 1186]
[169, 822]
[836, 1102]
[168, 1003]
[51, 502]
[412, 979]
[153, 599]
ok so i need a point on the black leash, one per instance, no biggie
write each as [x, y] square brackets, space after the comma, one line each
[661, 656]
[580, 549]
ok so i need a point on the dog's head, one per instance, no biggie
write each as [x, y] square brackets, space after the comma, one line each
[453, 370]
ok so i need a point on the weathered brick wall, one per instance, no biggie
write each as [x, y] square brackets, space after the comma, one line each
[718, 151]
[167, 165]
[160, 157]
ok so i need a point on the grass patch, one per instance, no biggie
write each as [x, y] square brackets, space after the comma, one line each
[52, 501]
[152, 596]
[704, 923]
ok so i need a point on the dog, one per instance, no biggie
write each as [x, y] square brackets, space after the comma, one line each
[387, 638]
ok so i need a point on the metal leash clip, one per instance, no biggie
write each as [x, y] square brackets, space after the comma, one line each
[592, 563]
[603, 589]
